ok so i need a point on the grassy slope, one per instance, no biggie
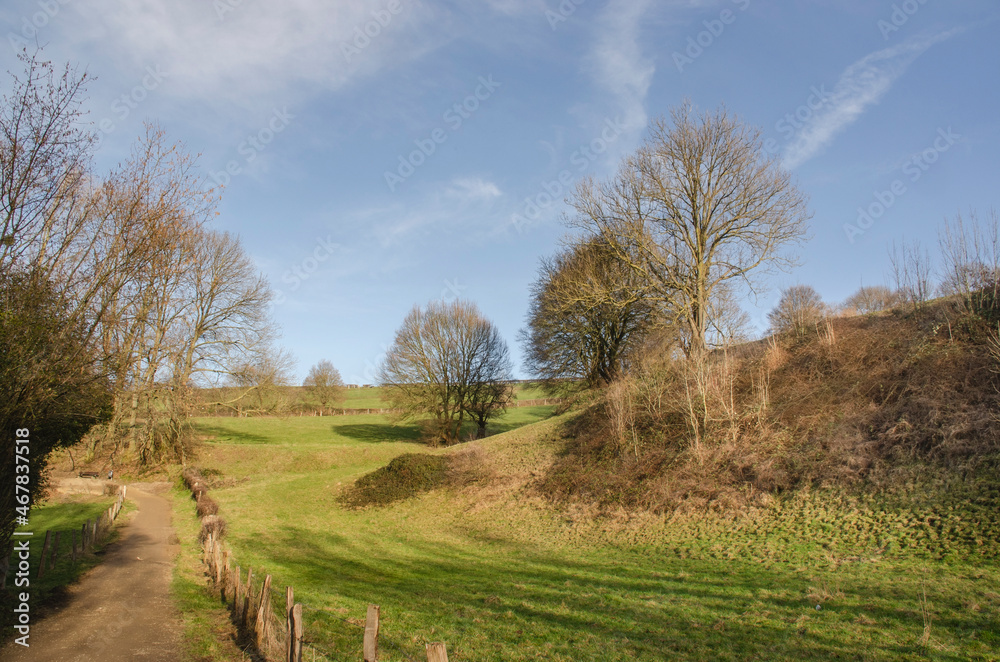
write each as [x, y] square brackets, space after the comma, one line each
[500, 575]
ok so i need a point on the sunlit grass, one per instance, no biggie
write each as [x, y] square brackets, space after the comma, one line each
[500, 575]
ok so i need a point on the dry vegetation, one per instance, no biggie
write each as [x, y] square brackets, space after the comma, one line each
[872, 400]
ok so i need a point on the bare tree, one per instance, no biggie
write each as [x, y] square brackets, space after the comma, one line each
[261, 380]
[44, 164]
[970, 258]
[325, 383]
[587, 315]
[911, 270]
[698, 205]
[447, 361]
[872, 299]
[799, 309]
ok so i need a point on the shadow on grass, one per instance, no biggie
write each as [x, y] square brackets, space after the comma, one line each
[526, 601]
[228, 435]
[378, 432]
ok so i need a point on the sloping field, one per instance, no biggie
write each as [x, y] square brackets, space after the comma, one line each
[499, 574]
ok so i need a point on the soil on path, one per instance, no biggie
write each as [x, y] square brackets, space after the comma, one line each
[120, 610]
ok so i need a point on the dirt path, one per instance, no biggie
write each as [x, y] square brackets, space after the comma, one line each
[121, 610]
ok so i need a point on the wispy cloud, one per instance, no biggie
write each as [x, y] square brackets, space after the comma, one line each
[861, 85]
[472, 188]
[617, 61]
[250, 52]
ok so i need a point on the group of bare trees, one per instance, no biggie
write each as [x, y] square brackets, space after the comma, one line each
[696, 213]
[125, 295]
[451, 363]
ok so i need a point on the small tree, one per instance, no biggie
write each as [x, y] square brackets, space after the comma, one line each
[872, 299]
[586, 317]
[799, 308]
[324, 383]
[449, 362]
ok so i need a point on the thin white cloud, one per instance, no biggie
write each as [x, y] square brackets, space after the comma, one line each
[251, 52]
[861, 85]
[472, 188]
[618, 64]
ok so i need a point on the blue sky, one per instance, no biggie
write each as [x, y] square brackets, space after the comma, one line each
[382, 154]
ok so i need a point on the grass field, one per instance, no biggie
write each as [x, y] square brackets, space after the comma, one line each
[64, 514]
[500, 575]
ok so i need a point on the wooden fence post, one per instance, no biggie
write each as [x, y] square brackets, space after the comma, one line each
[289, 624]
[297, 633]
[437, 652]
[247, 594]
[260, 626]
[238, 596]
[93, 533]
[55, 550]
[45, 553]
[217, 562]
[83, 536]
[74, 547]
[225, 573]
[370, 648]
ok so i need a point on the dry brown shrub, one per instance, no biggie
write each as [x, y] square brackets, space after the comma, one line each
[207, 506]
[212, 525]
[470, 464]
[861, 400]
[190, 476]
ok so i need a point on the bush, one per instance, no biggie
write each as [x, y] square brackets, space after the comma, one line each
[191, 476]
[207, 506]
[406, 476]
[212, 525]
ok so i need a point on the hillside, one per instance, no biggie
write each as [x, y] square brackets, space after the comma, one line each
[866, 403]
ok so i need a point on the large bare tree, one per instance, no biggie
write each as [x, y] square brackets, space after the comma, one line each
[588, 313]
[449, 362]
[700, 204]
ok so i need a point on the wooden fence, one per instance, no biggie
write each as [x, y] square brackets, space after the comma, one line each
[91, 533]
[277, 635]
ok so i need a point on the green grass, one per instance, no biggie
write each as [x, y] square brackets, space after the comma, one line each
[500, 575]
[371, 398]
[65, 514]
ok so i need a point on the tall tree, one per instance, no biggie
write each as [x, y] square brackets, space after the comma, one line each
[449, 362]
[588, 313]
[700, 204]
